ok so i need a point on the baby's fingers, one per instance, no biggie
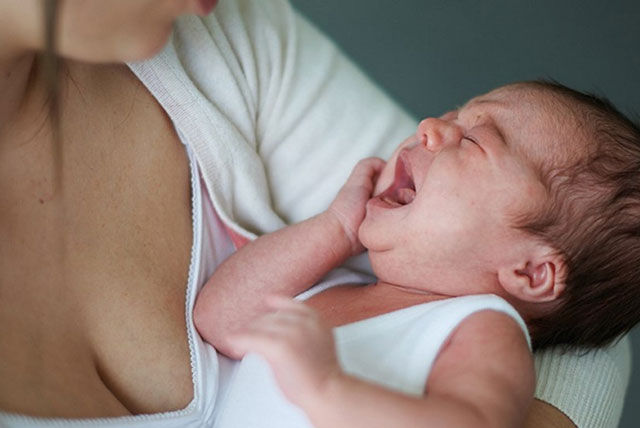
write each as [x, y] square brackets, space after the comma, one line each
[367, 169]
[285, 304]
[265, 332]
[251, 341]
[262, 337]
[373, 163]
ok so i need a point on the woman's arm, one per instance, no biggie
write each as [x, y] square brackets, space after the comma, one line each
[482, 378]
[588, 386]
[542, 414]
[285, 262]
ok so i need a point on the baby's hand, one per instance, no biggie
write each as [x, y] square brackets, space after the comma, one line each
[349, 207]
[297, 345]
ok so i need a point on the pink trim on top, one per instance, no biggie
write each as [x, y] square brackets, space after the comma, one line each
[238, 240]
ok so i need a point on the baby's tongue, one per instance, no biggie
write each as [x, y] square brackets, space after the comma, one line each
[405, 195]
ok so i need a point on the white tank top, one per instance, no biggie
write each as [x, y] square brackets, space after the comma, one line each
[395, 350]
[210, 372]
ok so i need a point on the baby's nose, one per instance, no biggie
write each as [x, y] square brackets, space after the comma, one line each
[434, 133]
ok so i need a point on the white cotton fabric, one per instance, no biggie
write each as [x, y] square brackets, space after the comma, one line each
[395, 350]
[276, 117]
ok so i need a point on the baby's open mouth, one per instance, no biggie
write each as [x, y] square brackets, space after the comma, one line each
[403, 190]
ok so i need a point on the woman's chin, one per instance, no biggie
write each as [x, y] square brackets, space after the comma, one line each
[147, 49]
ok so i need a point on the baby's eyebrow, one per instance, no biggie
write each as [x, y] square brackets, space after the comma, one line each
[477, 100]
[470, 101]
[499, 129]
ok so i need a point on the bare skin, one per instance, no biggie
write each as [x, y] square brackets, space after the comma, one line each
[543, 414]
[96, 326]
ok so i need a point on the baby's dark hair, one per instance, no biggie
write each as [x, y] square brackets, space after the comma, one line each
[592, 218]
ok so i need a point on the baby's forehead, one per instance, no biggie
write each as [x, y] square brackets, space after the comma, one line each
[519, 96]
[516, 114]
[535, 100]
[538, 126]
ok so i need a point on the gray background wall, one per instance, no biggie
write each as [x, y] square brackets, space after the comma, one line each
[434, 55]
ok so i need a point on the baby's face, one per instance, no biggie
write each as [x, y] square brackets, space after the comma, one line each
[445, 203]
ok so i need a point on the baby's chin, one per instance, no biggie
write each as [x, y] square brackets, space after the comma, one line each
[364, 233]
[360, 233]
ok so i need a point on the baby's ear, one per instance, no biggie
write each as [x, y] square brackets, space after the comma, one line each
[539, 278]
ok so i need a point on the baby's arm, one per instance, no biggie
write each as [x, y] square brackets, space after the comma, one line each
[285, 262]
[483, 377]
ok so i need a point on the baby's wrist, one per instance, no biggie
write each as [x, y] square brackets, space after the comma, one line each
[321, 407]
[345, 233]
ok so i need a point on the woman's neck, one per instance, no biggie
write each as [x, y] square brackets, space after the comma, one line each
[21, 32]
[16, 80]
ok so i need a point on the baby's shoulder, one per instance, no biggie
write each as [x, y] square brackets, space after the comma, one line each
[486, 341]
[489, 329]
[486, 362]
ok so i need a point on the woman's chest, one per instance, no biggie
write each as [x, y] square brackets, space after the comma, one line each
[98, 266]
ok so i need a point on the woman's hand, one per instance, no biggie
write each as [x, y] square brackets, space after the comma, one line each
[349, 207]
[298, 346]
